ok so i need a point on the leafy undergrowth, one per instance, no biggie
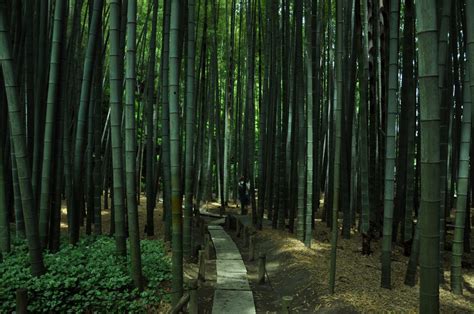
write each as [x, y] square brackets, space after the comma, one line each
[87, 277]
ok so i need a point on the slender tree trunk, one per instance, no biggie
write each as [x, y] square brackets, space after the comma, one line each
[166, 124]
[17, 124]
[347, 117]
[363, 111]
[337, 149]
[250, 108]
[190, 116]
[29, 80]
[463, 174]
[442, 57]
[4, 222]
[17, 204]
[410, 276]
[299, 105]
[97, 162]
[131, 146]
[51, 106]
[426, 14]
[176, 201]
[56, 203]
[40, 87]
[309, 138]
[462, 188]
[150, 139]
[79, 145]
[408, 99]
[201, 99]
[285, 100]
[115, 126]
[69, 104]
[229, 97]
[318, 20]
[390, 148]
[363, 131]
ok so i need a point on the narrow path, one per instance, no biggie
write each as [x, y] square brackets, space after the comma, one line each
[232, 293]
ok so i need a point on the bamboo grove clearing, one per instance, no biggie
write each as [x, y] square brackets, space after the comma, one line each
[329, 138]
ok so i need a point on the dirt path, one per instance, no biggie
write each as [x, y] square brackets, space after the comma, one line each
[300, 272]
[303, 273]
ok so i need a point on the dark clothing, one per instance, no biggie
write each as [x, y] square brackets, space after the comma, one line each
[243, 195]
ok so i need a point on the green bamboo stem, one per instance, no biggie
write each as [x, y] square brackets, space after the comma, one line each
[426, 15]
[19, 146]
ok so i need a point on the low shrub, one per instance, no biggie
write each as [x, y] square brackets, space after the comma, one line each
[87, 277]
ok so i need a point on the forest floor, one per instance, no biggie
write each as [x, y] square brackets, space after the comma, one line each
[106, 219]
[301, 272]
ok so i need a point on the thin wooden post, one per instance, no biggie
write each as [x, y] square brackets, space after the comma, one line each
[197, 247]
[202, 266]
[21, 301]
[246, 236]
[202, 227]
[261, 268]
[252, 248]
[207, 246]
[238, 227]
[285, 304]
[193, 297]
[181, 304]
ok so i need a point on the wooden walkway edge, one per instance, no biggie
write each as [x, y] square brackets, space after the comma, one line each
[232, 293]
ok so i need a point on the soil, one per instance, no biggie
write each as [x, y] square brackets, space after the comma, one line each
[302, 273]
[106, 218]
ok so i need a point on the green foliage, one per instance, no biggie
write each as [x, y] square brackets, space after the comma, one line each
[87, 277]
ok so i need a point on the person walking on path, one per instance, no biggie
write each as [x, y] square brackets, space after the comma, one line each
[243, 194]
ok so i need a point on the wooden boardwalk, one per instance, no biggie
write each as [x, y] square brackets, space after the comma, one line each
[232, 293]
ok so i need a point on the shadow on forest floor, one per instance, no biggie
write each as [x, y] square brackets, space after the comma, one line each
[303, 273]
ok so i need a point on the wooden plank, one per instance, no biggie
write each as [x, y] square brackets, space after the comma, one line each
[233, 302]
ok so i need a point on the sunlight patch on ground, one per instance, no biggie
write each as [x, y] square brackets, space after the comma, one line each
[106, 218]
[64, 225]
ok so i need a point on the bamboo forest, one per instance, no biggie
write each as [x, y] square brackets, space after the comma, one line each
[236, 156]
